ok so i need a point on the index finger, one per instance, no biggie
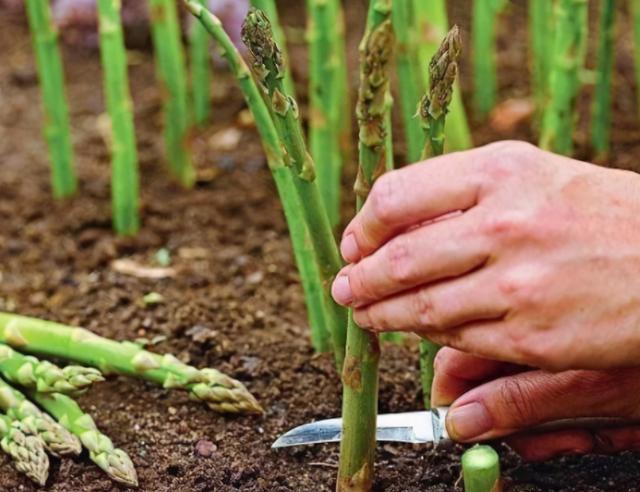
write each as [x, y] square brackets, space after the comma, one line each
[411, 196]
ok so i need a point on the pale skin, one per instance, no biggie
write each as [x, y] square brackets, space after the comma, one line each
[516, 259]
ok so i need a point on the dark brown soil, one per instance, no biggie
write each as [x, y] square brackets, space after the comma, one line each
[235, 303]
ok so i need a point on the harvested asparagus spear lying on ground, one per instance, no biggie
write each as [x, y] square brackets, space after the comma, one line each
[26, 431]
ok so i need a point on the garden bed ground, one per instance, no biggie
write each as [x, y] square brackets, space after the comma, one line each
[235, 303]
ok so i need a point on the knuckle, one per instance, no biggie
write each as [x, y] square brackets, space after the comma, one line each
[522, 287]
[385, 196]
[506, 158]
[515, 394]
[424, 310]
[400, 261]
[507, 225]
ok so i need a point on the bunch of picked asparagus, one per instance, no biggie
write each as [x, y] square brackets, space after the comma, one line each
[38, 414]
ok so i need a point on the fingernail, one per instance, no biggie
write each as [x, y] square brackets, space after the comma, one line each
[349, 248]
[341, 290]
[469, 421]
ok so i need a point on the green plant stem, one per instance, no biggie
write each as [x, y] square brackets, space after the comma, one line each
[268, 67]
[360, 372]
[56, 438]
[541, 37]
[345, 115]
[172, 75]
[409, 76]
[483, 31]
[27, 451]
[124, 155]
[44, 376]
[300, 237]
[201, 72]
[635, 12]
[270, 9]
[564, 82]
[113, 461]
[326, 106]
[481, 469]
[434, 106]
[57, 131]
[601, 118]
[221, 393]
[433, 24]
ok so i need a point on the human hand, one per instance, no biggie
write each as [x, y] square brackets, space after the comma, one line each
[496, 399]
[507, 252]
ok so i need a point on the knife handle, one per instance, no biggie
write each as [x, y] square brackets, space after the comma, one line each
[440, 429]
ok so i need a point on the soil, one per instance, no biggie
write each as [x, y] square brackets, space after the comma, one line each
[235, 303]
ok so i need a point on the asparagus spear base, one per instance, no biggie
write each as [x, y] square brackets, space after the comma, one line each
[481, 470]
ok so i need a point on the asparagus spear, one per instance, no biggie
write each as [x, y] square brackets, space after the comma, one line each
[269, 69]
[360, 373]
[221, 393]
[49, 64]
[541, 34]
[200, 72]
[124, 155]
[601, 119]
[27, 451]
[165, 30]
[300, 237]
[56, 438]
[44, 376]
[114, 461]
[443, 71]
[481, 469]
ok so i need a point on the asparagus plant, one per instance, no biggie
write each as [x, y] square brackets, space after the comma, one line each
[300, 237]
[601, 119]
[443, 71]
[124, 155]
[221, 393]
[481, 469]
[26, 451]
[56, 438]
[43, 376]
[485, 87]
[564, 82]
[433, 24]
[324, 95]
[541, 35]
[56, 131]
[344, 88]
[200, 72]
[360, 372]
[165, 30]
[409, 76]
[268, 65]
[114, 461]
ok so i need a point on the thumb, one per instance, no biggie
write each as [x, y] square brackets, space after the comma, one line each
[516, 403]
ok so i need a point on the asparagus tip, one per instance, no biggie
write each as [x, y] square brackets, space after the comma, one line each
[257, 35]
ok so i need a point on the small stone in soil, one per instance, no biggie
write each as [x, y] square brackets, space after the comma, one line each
[205, 448]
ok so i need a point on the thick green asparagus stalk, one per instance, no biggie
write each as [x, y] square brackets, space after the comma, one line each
[635, 11]
[171, 72]
[326, 106]
[443, 71]
[27, 451]
[564, 82]
[200, 72]
[124, 155]
[541, 36]
[433, 24]
[360, 373]
[481, 470]
[300, 237]
[346, 114]
[601, 118]
[221, 393]
[485, 88]
[409, 76]
[56, 438]
[44, 376]
[270, 9]
[114, 461]
[56, 131]
[268, 67]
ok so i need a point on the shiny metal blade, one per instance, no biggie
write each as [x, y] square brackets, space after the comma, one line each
[410, 427]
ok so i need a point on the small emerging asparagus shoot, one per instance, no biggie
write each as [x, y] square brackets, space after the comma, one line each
[201, 71]
[481, 469]
[27, 451]
[113, 461]
[360, 373]
[49, 64]
[443, 71]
